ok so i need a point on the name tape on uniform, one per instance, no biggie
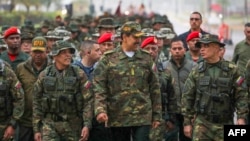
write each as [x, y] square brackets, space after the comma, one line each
[236, 132]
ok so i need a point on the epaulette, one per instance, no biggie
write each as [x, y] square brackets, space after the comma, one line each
[143, 50]
[109, 52]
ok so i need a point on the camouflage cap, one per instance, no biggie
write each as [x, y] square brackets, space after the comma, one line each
[53, 35]
[209, 38]
[107, 23]
[27, 35]
[39, 43]
[132, 28]
[45, 24]
[148, 32]
[167, 32]
[61, 45]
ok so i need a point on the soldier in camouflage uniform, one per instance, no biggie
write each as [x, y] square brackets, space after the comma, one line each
[61, 99]
[126, 87]
[27, 72]
[213, 91]
[11, 101]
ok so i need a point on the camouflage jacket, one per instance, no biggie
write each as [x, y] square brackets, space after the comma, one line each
[233, 88]
[61, 85]
[27, 75]
[11, 94]
[127, 89]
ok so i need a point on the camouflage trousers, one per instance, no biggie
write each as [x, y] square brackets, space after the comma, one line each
[204, 130]
[157, 134]
[61, 130]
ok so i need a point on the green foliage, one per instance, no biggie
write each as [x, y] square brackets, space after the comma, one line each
[17, 18]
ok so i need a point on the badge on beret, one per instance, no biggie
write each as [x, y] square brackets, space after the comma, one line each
[18, 31]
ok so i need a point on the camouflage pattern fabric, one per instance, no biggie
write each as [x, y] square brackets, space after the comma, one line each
[62, 120]
[224, 82]
[205, 130]
[12, 93]
[127, 89]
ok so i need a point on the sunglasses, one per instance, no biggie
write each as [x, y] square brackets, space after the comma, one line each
[194, 19]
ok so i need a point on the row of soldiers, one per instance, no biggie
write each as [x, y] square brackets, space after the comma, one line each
[138, 88]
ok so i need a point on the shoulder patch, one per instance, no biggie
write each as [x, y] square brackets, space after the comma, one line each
[109, 52]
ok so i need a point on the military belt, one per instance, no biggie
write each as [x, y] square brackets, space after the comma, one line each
[217, 118]
[55, 117]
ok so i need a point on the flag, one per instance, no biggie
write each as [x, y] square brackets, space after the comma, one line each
[118, 9]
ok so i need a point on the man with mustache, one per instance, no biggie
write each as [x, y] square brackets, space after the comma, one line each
[13, 55]
[126, 87]
[61, 99]
[213, 91]
[27, 72]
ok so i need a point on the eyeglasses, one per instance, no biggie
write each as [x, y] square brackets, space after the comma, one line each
[196, 19]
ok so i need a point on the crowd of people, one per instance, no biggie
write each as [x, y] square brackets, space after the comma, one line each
[120, 79]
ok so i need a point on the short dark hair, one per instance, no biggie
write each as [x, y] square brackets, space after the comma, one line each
[176, 39]
[196, 12]
[247, 25]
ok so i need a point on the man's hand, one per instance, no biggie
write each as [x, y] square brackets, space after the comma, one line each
[241, 121]
[188, 131]
[38, 136]
[102, 117]
[155, 124]
[85, 134]
[8, 133]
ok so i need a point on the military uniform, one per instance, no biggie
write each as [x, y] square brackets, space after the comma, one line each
[11, 98]
[212, 93]
[61, 101]
[28, 74]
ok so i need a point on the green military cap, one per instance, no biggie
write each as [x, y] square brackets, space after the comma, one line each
[209, 38]
[84, 24]
[61, 45]
[45, 24]
[158, 19]
[27, 35]
[73, 27]
[132, 28]
[67, 18]
[39, 43]
[107, 22]
[4, 27]
[148, 32]
[28, 23]
[167, 32]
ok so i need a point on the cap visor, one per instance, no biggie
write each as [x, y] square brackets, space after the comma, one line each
[138, 34]
[38, 48]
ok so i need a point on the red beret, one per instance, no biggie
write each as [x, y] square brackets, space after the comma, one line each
[10, 31]
[149, 40]
[192, 35]
[106, 37]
